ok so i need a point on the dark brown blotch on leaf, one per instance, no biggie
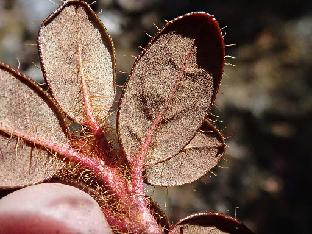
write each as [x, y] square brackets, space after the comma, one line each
[211, 52]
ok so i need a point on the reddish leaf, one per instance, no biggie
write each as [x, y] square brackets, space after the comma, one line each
[27, 115]
[209, 223]
[171, 87]
[195, 160]
[78, 61]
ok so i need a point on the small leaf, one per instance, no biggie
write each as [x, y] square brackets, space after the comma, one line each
[78, 61]
[171, 88]
[26, 115]
[209, 223]
[195, 160]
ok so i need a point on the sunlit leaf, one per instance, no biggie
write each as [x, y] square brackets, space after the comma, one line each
[78, 61]
[27, 115]
[171, 88]
[195, 160]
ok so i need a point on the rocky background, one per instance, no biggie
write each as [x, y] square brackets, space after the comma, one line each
[264, 107]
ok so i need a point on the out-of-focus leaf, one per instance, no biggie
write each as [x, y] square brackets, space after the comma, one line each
[27, 120]
[78, 61]
[171, 87]
[209, 223]
[159, 215]
[195, 160]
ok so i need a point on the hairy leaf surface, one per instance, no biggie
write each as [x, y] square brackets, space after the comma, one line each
[26, 115]
[171, 87]
[195, 160]
[209, 223]
[78, 61]
[22, 164]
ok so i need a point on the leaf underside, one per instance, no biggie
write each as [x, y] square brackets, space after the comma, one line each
[210, 223]
[27, 121]
[23, 165]
[170, 90]
[194, 229]
[196, 159]
[78, 61]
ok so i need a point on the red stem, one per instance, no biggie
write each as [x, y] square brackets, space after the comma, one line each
[139, 219]
[108, 175]
[138, 158]
[139, 202]
[90, 118]
[137, 163]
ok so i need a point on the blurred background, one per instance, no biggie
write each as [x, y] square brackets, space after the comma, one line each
[264, 107]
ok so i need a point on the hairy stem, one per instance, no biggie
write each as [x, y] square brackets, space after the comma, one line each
[137, 164]
[139, 218]
[138, 158]
[109, 176]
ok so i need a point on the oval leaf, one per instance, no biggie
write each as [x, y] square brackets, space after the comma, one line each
[26, 113]
[171, 87]
[196, 159]
[212, 223]
[78, 61]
